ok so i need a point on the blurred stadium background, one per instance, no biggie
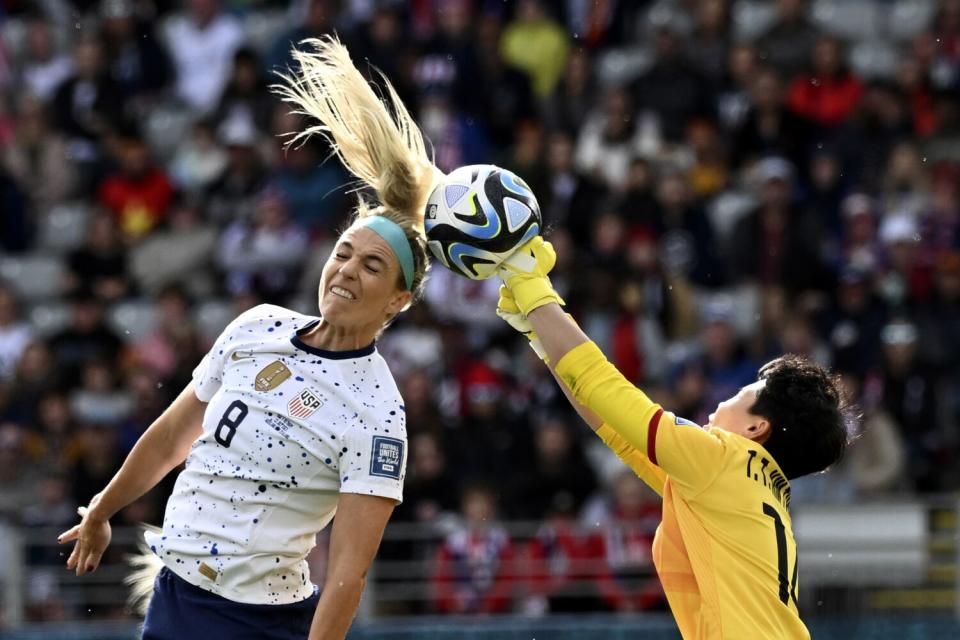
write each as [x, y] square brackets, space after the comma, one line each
[725, 181]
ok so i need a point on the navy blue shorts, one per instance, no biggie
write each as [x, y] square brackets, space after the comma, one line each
[182, 611]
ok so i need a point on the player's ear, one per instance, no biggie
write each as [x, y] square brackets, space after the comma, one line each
[759, 431]
[398, 302]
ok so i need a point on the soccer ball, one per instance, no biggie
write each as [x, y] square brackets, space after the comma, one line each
[477, 217]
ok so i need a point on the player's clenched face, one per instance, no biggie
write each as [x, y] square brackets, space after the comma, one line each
[359, 289]
[734, 414]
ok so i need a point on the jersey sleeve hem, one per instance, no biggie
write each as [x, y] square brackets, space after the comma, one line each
[373, 490]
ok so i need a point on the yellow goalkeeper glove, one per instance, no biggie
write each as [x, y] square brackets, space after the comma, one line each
[508, 310]
[525, 275]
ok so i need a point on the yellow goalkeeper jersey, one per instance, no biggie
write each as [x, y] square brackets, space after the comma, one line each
[724, 549]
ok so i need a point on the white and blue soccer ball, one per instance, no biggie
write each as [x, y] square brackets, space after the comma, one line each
[477, 217]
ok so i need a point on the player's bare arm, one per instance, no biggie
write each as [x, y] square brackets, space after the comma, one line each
[163, 446]
[357, 530]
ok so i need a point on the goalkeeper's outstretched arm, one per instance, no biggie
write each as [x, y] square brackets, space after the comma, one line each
[689, 455]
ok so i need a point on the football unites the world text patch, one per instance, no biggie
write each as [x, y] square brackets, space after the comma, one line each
[386, 459]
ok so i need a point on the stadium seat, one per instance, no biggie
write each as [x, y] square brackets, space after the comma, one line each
[133, 320]
[909, 18]
[35, 276]
[874, 59]
[752, 18]
[49, 318]
[64, 227]
[878, 544]
[212, 317]
[849, 19]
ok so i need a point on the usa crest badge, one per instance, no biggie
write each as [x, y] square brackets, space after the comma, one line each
[304, 404]
[271, 376]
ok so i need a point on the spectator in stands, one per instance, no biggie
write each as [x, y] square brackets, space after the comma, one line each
[733, 96]
[97, 459]
[37, 373]
[199, 160]
[262, 254]
[788, 43]
[432, 488]
[43, 67]
[905, 184]
[880, 123]
[684, 232]
[536, 44]
[139, 192]
[246, 94]
[201, 42]
[628, 526]
[86, 338]
[89, 103]
[503, 96]
[18, 473]
[609, 141]
[476, 569]
[230, 196]
[769, 128]
[710, 40]
[673, 90]
[789, 243]
[853, 323]
[574, 97]
[320, 19]
[100, 264]
[56, 426]
[903, 280]
[911, 398]
[37, 158]
[565, 566]
[311, 188]
[135, 60]
[489, 442]
[99, 399]
[859, 245]
[557, 473]
[878, 458]
[179, 252]
[829, 94]
[16, 228]
[15, 333]
[570, 197]
[383, 40]
[727, 364]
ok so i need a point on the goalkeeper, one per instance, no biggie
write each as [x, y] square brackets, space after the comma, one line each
[724, 549]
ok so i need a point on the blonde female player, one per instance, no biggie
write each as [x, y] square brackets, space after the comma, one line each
[289, 419]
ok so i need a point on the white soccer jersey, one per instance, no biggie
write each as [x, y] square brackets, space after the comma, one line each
[287, 429]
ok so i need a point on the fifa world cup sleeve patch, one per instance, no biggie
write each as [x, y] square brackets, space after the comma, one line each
[386, 459]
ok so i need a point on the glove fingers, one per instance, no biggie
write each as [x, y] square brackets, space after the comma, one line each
[507, 302]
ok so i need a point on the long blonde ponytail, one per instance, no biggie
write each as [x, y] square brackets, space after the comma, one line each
[385, 151]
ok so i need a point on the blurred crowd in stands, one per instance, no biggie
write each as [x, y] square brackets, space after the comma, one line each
[723, 181]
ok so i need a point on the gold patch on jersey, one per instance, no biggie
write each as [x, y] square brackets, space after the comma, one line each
[207, 571]
[271, 376]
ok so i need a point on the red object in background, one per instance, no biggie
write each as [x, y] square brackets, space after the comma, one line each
[137, 203]
[825, 101]
[475, 573]
[561, 559]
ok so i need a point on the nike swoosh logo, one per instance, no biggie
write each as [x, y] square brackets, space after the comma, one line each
[236, 356]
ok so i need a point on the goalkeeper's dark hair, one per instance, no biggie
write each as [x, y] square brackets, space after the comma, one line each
[808, 418]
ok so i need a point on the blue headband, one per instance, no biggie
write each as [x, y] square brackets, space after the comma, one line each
[394, 236]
